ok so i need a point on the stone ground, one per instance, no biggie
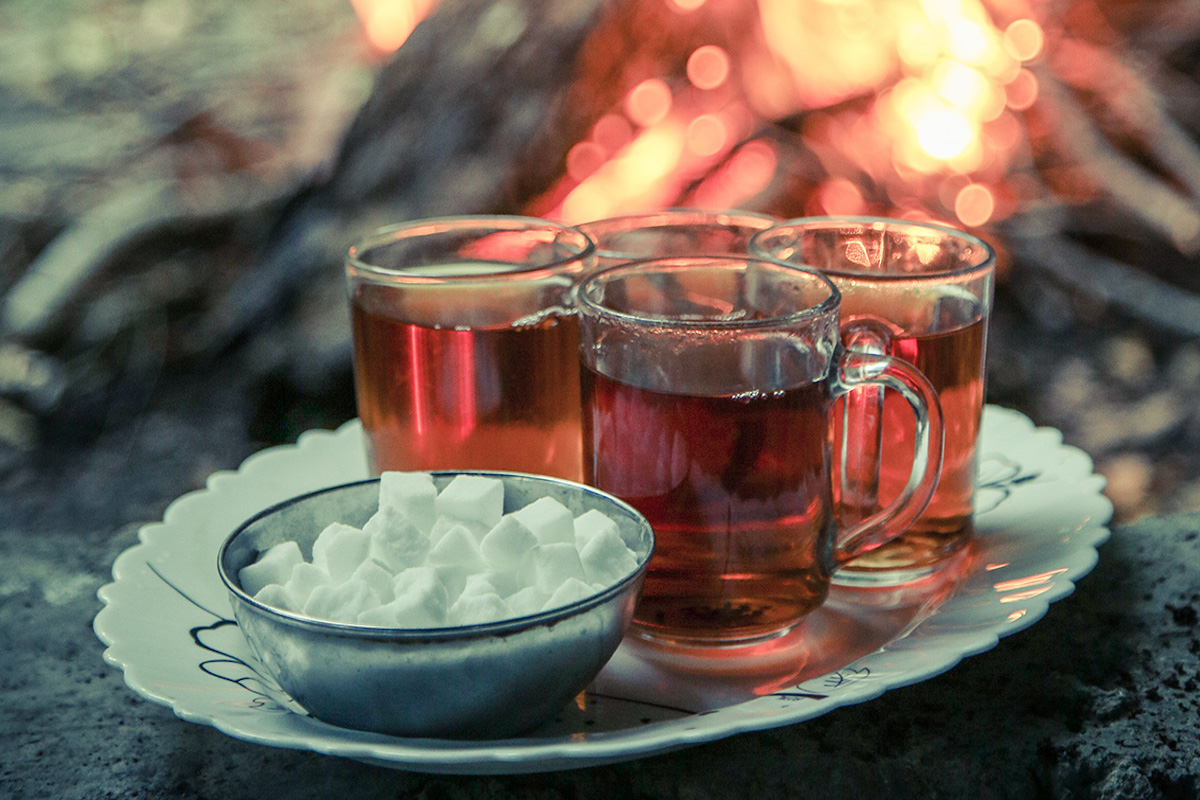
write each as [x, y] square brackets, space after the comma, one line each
[1097, 700]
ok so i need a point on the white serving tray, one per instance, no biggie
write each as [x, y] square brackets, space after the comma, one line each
[1040, 516]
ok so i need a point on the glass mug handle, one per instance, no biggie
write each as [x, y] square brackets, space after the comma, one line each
[862, 429]
[857, 369]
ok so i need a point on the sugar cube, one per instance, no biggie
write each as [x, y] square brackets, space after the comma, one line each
[570, 591]
[426, 559]
[412, 493]
[456, 548]
[377, 577]
[274, 565]
[550, 521]
[423, 579]
[526, 601]
[552, 564]
[476, 609]
[382, 616]
[479, 583]
[505, 582]
[591, 522]
[506, 544]
[396, 542]
[275, 595]
[606, 559]
[339, 549]
[444, 523]
[340, 602]
[421, 605]
[304, 578]
[472, 497]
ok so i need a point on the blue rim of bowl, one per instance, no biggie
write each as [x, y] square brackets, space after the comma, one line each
[500, 627]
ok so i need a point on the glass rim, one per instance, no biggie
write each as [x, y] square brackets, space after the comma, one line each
[676, 213]
[485, 223]
[985, 264]
[587, 305]
[669, 218]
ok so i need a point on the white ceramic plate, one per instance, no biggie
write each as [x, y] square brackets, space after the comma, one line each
[168, 624]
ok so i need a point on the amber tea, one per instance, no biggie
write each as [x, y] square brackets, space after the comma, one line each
[708, 384]
[952, 361]
[481, 398]
[465, 344]
[737, 491]
[920, 292]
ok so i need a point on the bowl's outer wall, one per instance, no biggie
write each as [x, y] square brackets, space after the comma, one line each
[476, 685]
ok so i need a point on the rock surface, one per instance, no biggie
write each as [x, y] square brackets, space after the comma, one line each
[1100, 699]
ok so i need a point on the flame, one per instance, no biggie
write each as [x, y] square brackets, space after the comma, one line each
[635, 179]
[942, 72]
[918, 98]
[388, 23]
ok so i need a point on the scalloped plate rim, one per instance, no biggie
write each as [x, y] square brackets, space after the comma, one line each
[527, 755]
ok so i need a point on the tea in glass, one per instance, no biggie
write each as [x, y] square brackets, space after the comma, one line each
[708, 386]
[922, 293]
[465, 345]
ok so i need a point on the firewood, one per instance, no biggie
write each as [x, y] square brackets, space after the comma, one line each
[1039, 245]
[467, 117]
[1172, 213]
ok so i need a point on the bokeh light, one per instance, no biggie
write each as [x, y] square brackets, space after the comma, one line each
[943, 132]
[708, 67]
[585, 158]
[839, 196]
[1022, 92]
[707, 135]
[1024, 39]
[974, 205]
[612, 132]
[914, 103]
[648, 102]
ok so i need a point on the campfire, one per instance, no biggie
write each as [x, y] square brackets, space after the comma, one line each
[1065, 133]
[901, 107]
[909, 108]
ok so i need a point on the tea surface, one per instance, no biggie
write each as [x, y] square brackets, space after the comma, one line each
[737, 491]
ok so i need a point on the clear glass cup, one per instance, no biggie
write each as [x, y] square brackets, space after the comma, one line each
[674, 232]
[708, 387]
[465, 344]
[923, 293]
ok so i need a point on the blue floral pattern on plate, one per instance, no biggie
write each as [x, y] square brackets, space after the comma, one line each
[1040, 516]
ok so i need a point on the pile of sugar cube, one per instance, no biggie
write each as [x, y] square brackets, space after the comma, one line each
[428, 560]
